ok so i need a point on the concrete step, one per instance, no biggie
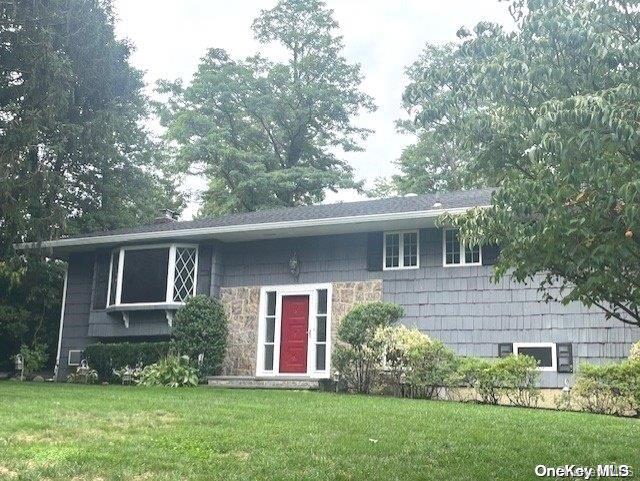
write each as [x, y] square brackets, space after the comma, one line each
[251, 382]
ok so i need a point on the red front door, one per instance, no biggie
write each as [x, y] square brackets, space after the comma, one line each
[294, 337]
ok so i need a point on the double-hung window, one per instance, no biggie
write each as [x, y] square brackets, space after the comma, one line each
[151, 275]
[456, 253]
[401, 250]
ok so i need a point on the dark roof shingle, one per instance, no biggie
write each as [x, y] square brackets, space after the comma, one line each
[448, 200]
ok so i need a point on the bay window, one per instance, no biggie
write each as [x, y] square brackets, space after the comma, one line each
[151, 275]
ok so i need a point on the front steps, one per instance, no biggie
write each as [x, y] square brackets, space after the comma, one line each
[251, 382]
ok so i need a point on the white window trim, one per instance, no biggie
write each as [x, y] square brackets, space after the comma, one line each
[462, 262]
[401, 265]
[552, 345]
[69, 363]
[310, 290]
[170, 275]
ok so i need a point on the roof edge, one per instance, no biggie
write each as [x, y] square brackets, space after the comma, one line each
[201, 231]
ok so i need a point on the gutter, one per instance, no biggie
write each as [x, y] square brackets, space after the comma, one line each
[209, 231]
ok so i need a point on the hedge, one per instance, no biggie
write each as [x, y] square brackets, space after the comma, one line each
[104, 358]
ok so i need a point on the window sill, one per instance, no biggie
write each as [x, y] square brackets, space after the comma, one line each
[475, 264]
[400, 268]
[168, 307]
[148, 306]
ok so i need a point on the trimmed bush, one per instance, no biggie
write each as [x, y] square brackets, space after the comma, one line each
[395, 343]
[520, 377]
[609, 388]
[634, 354]
[515, 377]
[356, 357]
[107, 358]
[359, 325]
[200, 328]
[357, 366]
[430, 367]
[172, 371]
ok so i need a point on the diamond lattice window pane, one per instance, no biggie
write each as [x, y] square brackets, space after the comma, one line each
[185, 273]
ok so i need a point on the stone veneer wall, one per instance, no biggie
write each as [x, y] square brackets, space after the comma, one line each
[346, 295]
[242, 307]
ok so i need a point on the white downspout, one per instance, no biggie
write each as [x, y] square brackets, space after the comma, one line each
[64, 301]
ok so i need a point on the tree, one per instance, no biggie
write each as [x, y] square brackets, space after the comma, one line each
[549, 113]
[74, 157]
[266, 133]
[432, 164]
[435, 162]
[73, 154]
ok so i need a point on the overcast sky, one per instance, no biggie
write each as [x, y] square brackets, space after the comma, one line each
[382, 36]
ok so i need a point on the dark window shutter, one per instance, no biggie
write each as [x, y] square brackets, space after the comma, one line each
[101, 280]
[490, 254]
[505, 349]
[564, 354]
[374, 251]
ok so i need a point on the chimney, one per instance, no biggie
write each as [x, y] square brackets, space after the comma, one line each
[164, 216]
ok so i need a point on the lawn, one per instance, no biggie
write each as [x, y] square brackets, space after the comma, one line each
[129, 433]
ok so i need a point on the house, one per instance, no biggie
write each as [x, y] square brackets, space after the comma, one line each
[286, 277]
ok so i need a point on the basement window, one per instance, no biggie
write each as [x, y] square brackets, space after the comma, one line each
[543, 352]
[457, 253]
[152, 275]
[401, 250]
[75, 357]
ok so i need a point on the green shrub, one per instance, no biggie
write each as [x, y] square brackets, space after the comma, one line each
[609, 388]
[200, 328]
[634, 354]
[515, 377]
[107, 358]
[33, 358]
[486, 380]
[460, 382]
[430, 367]
[356, 358]
[519, 376]
[172, 371]
[359, 325]
[356, 366]
[395, 343]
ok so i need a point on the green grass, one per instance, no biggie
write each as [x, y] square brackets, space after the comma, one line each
[132, 433]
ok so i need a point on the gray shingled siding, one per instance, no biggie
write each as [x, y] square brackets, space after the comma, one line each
[76, 309]
[456, 304]
[217, 270]
[463, 308]
[322, 259]
[459, 305]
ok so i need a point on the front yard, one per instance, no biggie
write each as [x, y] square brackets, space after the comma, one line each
[94, 432]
